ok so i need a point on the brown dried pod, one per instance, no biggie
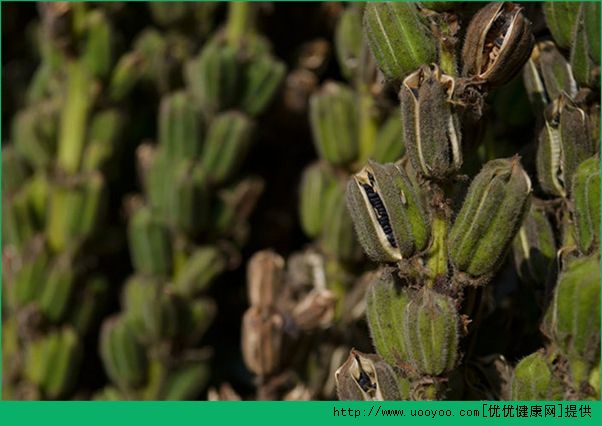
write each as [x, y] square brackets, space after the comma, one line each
[265, 273]
[366, 377]
[262, 332]
[225, 392]
[57, 22]
[315, 310]
[498, 43]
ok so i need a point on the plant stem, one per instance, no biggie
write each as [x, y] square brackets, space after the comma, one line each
[239, 23]
[437, 255]
[447, 44]
[367, 124]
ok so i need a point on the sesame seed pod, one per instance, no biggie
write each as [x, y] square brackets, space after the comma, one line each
[431, 332]
[585, 196]
[533, 380]
[431, 126]
[388, 213]
[490, 217]
[399, 38]
[367, 377]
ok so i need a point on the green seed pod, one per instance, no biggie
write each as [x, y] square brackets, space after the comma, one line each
[564, 142]
[94, 198]
[390, 145]
[316, 182]
[385, 306]
[556, 71]
[97, 53]
[498, 43]
[106, 126]
[75, 208]
[137, 294]
[177, 192]
[124, 77]
[74, 118]
[333, 119]
[573, 317]
[45, 82]
[534, 247]
[30, 276]
[431, 332]
[214, 77]
[105, 130]
[591, 15]
[151, 47]
[52, 362]
[180, 127]
[226, 146]
[399, 38]
[366, 377]
[58, 288]
[492, 213]
[199, 271]
[443, 6]
[586, 204]
[88, 304]
[123, 357]
[150, 310]
[186, 382]
[581, 63]
[262, 77]
[14, 170]
[38, 190]
[18, 220]
[348, 41]
[388, 213]
[197, 317]
[149, 244]
[534, 380]
[533, 81]
[338, 237]
[430, 124]
[561, 18]
[547, 74]
[187, 201]
[34, 133]
[36, 358]
[166, 15]
[63, 364]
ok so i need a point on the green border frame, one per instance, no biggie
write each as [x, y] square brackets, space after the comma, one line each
[292, 413]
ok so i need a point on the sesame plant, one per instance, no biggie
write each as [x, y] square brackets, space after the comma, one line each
[441, 237]
[307, 311]
[56, 174]
[191, 222]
